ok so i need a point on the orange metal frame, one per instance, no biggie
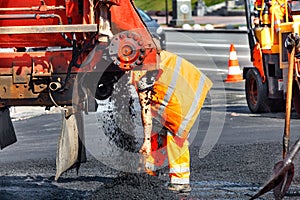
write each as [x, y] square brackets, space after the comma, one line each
[258, 61]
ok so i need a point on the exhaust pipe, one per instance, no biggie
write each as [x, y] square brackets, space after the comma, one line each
[54, 86]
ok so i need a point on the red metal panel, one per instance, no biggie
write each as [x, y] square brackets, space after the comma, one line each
[29, 4]
[58, 60]
[23, 8]
[32, 40]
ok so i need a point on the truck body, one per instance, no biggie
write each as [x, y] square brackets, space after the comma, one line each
[44, 45]
[68, 53]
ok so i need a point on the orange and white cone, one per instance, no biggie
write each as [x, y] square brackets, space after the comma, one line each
[234, 71]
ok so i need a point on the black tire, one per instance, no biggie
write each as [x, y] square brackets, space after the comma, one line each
[103, 91]
[256, 92]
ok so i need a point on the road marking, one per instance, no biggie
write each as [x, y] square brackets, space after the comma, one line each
[214, 40]
[207, 45]
[210, 55]
[213, 69]
[224, 106]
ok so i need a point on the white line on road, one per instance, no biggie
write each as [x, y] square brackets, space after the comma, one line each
[209, 55]
[214, 40]
[206, 44]
[213, 69]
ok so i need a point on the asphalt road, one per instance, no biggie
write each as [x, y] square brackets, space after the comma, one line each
[233, 151]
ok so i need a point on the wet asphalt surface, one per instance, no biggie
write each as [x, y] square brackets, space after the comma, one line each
[235, 168]
[228, 172]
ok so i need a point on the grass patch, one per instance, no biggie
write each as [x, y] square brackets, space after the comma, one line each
[161, 5]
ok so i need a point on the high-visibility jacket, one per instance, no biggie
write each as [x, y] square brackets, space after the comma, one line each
[179, 93]
[278, 10]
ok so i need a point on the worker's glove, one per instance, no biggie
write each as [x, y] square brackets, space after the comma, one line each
[297, 43]
[290, 42]
[293, 40]
[146, 147]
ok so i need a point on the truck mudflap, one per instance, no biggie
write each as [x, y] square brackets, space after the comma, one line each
[70, 150]
[7, 131]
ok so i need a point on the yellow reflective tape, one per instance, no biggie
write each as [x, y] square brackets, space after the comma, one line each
[176, 180]
[193, 107]
[171, 87]
[179, 169]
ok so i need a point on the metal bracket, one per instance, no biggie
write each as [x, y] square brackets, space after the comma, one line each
[20, 72]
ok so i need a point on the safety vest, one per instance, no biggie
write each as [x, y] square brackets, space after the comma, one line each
[278, 10]
[178, 94]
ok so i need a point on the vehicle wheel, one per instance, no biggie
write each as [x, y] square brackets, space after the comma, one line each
[256, 92]
[104, 91]
[105, 86]
[296, 97]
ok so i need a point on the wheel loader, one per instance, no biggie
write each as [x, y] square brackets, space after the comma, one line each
[266, 81]
[272, 83]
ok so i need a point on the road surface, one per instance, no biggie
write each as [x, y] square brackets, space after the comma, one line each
[233, 151]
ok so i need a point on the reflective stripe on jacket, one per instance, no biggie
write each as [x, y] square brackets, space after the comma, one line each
[179, 93]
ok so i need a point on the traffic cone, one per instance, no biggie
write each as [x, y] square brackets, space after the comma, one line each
[234, 71]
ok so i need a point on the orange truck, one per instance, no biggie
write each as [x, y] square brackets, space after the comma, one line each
[48, 46]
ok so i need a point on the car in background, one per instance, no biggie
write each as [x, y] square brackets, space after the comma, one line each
[155, 29]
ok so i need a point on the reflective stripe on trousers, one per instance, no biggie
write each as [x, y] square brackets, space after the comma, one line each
[177, 157]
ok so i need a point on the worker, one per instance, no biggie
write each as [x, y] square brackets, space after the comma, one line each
[278, 10]
[270, 9]
[256, 12]
[171, 98]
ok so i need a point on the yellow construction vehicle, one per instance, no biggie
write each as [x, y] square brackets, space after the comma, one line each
[270, 23]
[272, 84]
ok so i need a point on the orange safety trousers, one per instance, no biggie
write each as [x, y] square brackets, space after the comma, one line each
[166, 151]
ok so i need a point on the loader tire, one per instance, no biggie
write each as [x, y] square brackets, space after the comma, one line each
[256, 92]
[104, 91]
